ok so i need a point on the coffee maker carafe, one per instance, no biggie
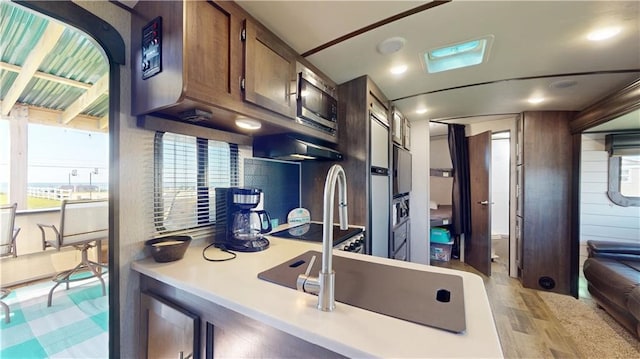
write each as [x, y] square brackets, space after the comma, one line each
[238, 226]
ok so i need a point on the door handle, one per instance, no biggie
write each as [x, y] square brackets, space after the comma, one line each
[484, 203]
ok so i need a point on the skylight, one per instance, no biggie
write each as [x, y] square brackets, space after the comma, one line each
[462, 54]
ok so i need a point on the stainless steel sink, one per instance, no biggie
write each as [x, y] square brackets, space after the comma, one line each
[427, 298]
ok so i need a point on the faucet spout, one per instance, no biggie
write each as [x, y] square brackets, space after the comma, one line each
[324, 284]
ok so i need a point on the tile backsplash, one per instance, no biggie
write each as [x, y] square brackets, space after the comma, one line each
[278, 180]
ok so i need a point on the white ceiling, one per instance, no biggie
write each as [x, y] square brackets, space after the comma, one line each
[545, 40]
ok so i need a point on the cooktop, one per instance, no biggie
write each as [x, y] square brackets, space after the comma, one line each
[313, 232]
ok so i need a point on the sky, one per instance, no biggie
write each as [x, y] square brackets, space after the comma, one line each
[54, 152]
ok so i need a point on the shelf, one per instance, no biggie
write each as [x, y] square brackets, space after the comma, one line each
[441, 172]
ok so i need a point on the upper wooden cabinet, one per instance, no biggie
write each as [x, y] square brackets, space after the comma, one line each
[197, 55]
[269, 71]
[206, 65]
[406, 134]
[397, 125]
[401, 130]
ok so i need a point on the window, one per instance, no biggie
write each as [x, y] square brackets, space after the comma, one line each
[624, 169]
[630, 176]
[458, 55]
[65, 163]
[187, 172]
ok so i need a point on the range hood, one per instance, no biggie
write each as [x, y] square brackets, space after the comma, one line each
[292, 147]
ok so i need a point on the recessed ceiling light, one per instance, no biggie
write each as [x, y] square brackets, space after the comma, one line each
[420, 111]
[391, 45]
[603, 34]
[248, 124]
[535, 100]
[563, 84]
[400, 69]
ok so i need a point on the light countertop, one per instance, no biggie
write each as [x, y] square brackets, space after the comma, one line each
[347, 330]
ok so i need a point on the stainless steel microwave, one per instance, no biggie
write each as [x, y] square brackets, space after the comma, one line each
[317, 102]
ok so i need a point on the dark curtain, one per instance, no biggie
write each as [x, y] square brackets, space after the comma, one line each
[461, 196]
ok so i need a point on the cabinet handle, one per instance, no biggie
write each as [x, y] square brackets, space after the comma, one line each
[484, 203]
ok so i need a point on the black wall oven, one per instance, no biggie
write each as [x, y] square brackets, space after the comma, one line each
[316, 102]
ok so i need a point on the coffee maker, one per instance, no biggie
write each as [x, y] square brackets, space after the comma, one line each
[238, 226]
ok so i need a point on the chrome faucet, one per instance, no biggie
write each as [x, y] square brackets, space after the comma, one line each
[323, 285]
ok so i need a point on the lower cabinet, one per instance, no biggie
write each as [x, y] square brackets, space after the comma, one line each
[167, 331]
[203, 329]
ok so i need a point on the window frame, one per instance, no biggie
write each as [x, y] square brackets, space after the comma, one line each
[614, 178]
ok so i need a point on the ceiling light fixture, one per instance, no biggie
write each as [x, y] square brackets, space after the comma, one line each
[603, 34]
[400, 69]
[248, 124]
[563, 84]
[535, 100]
[420, 111]
[391, 45]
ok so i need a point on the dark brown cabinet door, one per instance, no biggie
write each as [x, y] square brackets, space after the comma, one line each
[212, 69]
[546, 174]
[201, 56]
[269, 71]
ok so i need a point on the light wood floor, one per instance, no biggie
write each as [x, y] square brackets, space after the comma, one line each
[526, 327]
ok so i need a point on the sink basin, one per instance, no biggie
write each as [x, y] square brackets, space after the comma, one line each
[427, 298]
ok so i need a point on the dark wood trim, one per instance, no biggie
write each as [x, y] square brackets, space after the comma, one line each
[618, 104]
[121, 5]
[626, 71]
[114, 211]
[71, 14]
[375, 25]
[574, 270]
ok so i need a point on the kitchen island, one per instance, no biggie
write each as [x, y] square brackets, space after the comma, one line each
[264, 311]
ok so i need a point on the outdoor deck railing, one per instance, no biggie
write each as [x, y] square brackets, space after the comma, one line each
[49, 193]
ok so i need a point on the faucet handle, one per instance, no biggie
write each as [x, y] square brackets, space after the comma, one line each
[311, 262]
[308, 284]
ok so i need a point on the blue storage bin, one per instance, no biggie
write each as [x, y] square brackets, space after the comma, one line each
[440, 235]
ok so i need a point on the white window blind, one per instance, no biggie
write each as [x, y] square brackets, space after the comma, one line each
[187, 172]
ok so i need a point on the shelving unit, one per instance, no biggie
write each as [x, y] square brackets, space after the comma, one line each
[441, 172]
[441, 216]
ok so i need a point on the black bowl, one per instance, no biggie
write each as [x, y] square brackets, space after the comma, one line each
[168, 249]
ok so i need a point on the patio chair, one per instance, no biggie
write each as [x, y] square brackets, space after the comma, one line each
[83, 224]
[8, 231]
[8, 235]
